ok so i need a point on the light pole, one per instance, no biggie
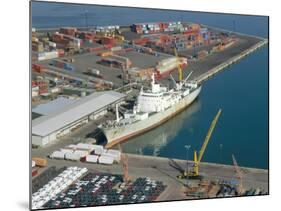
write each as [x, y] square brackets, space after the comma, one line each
[221, 152]
[187, 149]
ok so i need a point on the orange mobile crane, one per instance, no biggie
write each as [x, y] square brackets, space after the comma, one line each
[239, 174]
[124, 162]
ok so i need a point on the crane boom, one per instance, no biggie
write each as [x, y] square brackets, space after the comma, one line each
[194, 172]
[239, 174]
[179, 67]
[208, 136]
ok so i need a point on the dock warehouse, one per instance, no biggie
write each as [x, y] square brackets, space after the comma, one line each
[47, 129]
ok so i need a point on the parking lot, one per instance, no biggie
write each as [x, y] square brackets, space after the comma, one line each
[105, 189]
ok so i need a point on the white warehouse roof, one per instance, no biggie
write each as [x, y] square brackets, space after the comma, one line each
[45, 125]
[52, 106]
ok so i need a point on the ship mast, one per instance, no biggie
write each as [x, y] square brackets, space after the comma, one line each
[117, 113]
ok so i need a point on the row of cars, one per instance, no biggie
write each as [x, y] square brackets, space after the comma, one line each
[104, 189]
[56, 185]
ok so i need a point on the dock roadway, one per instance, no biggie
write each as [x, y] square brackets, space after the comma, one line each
[159, 169]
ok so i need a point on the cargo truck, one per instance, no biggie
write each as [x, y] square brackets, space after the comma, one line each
[93, 72]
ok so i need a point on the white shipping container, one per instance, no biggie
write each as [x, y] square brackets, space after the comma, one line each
[52, 44]
[57, 155]
[92, 158]
[99, 147]
[98, 151]
[67, 150]
[71, 146]
[41, 58]
[117, 48]
[113, 156]
[35, 93]
[106, 160]
[81, 153]
[55, 90]
[72, 156]
[84, 146]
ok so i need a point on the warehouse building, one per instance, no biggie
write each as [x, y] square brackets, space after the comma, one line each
[52, 106]
[57, 124]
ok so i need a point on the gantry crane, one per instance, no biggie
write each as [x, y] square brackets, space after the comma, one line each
[194, 172]
[179, 67]
[239, 175]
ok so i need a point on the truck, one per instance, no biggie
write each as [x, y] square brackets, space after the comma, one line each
[41, 162]
[93, 72]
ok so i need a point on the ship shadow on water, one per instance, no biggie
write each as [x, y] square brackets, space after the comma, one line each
[156, 139]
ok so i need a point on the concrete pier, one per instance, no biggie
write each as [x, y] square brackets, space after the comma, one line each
[205, 76]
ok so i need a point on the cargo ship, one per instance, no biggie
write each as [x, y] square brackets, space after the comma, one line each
[153, 107]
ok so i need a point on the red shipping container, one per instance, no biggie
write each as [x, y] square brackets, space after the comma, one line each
[108, 41]
[43, 91]
[36, 67]
[34, 172]
[60, 52]
[108, 46]
[34, 83]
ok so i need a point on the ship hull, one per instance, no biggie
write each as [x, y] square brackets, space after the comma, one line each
[119, 134]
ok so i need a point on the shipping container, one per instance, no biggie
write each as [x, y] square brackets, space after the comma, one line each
[105, 160]
[98, 150]
[104, 54]
[81, 153]
[57, 155]
[34, 172]
[40, 161]
[72, 156]
[37, 67]
[107, 41]
[92, 158]
[66, 150]
[117, 48]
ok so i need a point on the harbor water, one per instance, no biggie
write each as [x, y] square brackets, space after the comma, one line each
[241, 90]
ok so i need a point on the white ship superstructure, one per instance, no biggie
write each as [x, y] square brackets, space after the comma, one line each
[153, 107]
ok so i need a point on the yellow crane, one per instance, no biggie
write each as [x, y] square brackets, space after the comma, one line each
[194, 172]
[179, 67]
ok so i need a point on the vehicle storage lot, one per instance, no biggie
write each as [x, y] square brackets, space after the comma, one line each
[104, 189]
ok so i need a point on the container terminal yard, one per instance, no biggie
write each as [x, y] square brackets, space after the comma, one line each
[85, 77]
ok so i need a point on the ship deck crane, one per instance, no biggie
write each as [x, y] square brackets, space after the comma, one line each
[239, 175]
[194, 172]
[179, 67]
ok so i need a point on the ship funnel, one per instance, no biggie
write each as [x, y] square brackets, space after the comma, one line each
[117, 113]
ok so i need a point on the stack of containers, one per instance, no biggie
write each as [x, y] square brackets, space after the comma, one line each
[63, 65]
